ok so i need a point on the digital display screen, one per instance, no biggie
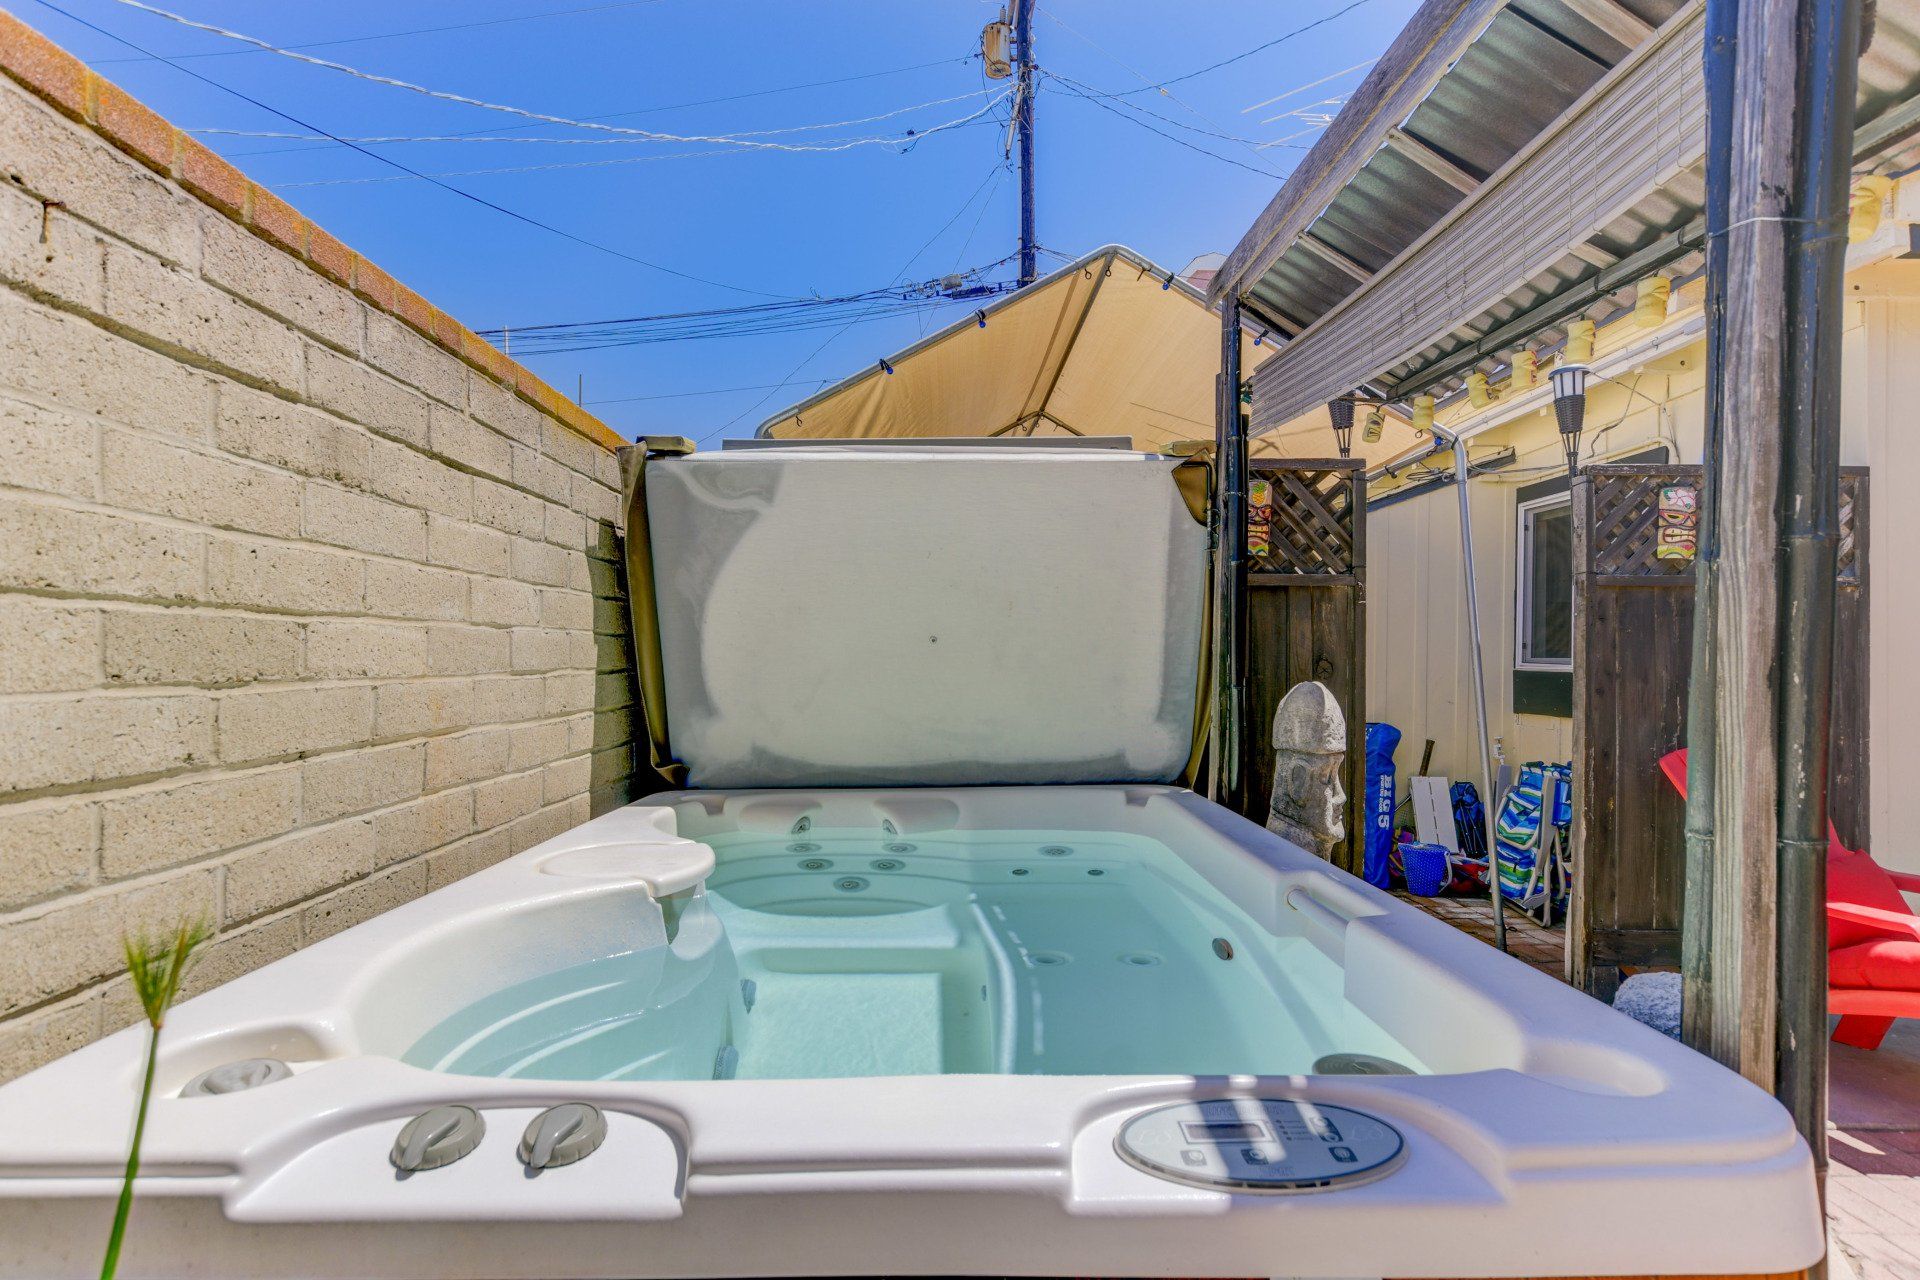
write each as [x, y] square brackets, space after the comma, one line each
[1224, 1131]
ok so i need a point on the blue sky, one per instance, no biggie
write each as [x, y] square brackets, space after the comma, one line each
[750, 222]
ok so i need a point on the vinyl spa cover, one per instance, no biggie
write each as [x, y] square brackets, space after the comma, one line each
[951, 616]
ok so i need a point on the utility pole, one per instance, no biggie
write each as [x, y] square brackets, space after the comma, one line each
[1781, 78]
[1023, 128]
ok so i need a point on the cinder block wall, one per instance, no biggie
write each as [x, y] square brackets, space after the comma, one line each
[309, 599]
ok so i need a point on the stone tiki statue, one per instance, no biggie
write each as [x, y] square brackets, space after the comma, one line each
[1309, 748]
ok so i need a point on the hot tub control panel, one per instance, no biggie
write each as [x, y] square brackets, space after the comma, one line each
[1268, 1145]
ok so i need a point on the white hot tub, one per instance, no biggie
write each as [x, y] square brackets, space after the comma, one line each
[1046, 1013]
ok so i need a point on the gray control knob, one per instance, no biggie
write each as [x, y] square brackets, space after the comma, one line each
[563, 1134]
[437, 1137]
[235, 1077]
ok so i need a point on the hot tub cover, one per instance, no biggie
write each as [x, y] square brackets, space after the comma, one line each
[929, 615]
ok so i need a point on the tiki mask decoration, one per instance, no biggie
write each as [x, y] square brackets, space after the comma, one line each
[1309, 750]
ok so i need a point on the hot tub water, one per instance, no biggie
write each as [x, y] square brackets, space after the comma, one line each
[840, 953]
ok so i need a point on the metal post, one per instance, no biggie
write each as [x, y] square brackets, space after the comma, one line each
[1230, 564]
[1487, 799]
[1023, 127]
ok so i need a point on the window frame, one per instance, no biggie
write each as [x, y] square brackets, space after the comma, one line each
[1523, 580]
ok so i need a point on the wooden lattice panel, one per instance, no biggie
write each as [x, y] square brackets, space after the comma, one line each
[1626, 522]
[1626, 525]
[1309, 521]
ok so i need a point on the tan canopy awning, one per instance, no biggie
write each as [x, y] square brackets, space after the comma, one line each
[1109, 345]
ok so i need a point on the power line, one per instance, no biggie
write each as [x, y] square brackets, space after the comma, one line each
[521, 168]
[835, 336]
[1186, 106]
[1311, 84]
[1089, 91]
[715, 391]
[1238, 57]
[739, 140]
[1177, 141]
[638, 140]
[444, 186]
[681, 106]
[395, 35]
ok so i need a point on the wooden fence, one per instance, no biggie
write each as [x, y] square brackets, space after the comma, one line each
[1306, 616]
[1632, 653]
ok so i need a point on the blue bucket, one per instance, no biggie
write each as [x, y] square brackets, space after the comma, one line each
[1426, 868]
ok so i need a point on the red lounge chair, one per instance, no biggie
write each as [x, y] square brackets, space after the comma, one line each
[1873, 936]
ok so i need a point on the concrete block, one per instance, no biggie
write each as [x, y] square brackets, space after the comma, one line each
[466, 757]
[603, 800]
[34, 1039]
[364, 523]
[565, 527]
[502, 409]
[538, 649]
[177, 646]
[464, 857]
[89, 371]
[536, 744]
[572, 610]
[503, 603]
[91, 552]
[278, 283]
[45, 849]
[579, 578]
[615, 764]
[414, 360]
[579, 732]
[611, 728]
[501, 800]
[369, 398]
[241, 950]
[508, 510]
[357, 781]
[604, 541]
[144, 474]
[473, 445]
[472, 547]
[362, 900]
[611, 652]
[565, 778]
[52, 159]
[467, 651]
[524, 833]
[569, 448]
[607, 579]
[267, 724]
[298, 867]
[269, 429]
[595, 501]
[613, 689]
[77, 941]
[509, 699]
[360, 650]
[411, 591]
[423, 824]
[170, 306]
[185, 822]
[539, 562]
[47, 647]
[49, 253]
[68, 741]
[295, 579]
[540, 474]
[411, 709]
[419, 480]
[50, 451]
